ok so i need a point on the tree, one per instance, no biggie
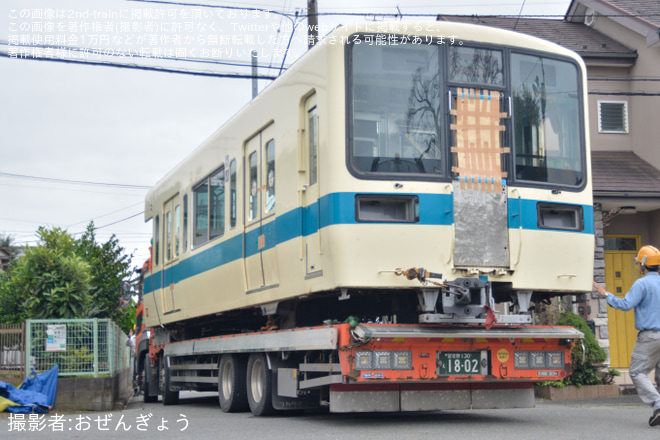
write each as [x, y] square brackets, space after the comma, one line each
[67, 278]
[51, 281]
[109, 265]
[11, 304]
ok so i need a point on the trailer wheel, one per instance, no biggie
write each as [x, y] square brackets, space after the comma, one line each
[232, 392]
[259, 385]
[148, 377]
[169, 397]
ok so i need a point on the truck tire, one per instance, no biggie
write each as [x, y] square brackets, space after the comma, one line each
[169, 397]
[259, 385]
[147, 378]
[232, 392]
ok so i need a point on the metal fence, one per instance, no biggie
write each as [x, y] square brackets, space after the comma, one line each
[12, 347]
[80, 347]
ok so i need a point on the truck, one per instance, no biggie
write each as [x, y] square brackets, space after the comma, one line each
[377, 230]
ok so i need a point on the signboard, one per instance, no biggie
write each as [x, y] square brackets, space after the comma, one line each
[55, 337]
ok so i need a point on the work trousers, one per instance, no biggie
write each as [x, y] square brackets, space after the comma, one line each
[646, 357]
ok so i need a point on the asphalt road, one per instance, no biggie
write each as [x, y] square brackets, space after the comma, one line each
[199, 417]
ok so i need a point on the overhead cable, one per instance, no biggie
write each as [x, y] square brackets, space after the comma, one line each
[75, 182]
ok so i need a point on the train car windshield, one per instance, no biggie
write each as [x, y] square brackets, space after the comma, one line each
[546, 121]
[398, 119]
[396, 109]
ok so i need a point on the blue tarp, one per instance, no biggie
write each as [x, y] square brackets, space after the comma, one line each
[35, 395]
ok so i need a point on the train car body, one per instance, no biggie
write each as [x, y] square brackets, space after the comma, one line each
[402, 173]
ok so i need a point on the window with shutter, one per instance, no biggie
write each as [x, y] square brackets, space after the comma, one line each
[612, 117]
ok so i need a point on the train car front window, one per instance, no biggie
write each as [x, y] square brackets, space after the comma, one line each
[546, 121]
[396, 110]
[476, 65]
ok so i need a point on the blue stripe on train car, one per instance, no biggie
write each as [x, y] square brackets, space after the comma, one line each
[527, 211]
[335, 209]
[339, 209]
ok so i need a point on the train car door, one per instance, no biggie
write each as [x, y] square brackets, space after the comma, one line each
[171, 250]
[311, 221]
[261, 268]
[480, 200]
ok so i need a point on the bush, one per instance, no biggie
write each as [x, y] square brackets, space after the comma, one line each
[585, 364]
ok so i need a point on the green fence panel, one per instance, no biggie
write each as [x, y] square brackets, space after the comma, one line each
[80, 347]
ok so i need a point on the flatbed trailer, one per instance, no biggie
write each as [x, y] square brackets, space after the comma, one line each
[368, 367]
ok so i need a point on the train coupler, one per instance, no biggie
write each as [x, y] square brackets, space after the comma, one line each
[420, 274]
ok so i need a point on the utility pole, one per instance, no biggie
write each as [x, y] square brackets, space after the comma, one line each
[255, 81]
[312, 24]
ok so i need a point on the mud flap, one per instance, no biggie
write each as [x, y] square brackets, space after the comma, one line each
[309, 399]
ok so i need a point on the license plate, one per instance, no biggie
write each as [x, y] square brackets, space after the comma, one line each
[461, 363]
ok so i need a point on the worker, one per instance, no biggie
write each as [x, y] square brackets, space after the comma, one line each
[644, 297]
[130, 342]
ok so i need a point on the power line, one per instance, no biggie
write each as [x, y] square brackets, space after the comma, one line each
[119, 221]
[107, 214]
[519, 15]
[42, 187]
[385, 14]
[200, 5]
[101, 53]
[75, 182]
[148, 68]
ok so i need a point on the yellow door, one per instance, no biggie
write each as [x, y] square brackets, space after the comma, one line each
[620, 274]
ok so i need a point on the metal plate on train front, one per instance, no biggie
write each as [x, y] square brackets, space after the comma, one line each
[481, 228]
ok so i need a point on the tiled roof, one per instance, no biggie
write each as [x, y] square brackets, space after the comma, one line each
[623, 172]
[575, 36]
[648, 10]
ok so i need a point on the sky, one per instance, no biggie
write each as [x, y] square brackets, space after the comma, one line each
[84, 142]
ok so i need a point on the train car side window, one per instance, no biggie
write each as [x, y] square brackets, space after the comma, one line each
[177, 230]
[232, 194]
[156, 239]
[217, 207]
[313, 146]
[200, 230]
[185, 223]
[168, 236]
[270, 176]
[253, 207]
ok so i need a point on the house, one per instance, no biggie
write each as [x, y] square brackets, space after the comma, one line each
[619, 41]
[5, 259]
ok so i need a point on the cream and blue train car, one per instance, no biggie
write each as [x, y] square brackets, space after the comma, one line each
[387, 148]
